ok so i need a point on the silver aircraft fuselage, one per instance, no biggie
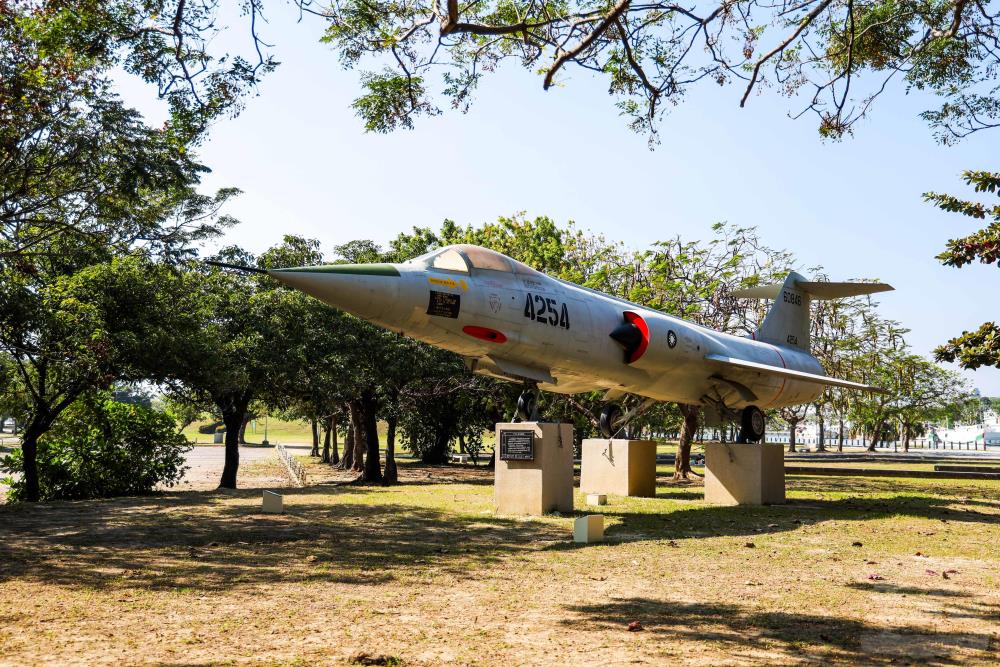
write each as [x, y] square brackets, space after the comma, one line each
[510, 321]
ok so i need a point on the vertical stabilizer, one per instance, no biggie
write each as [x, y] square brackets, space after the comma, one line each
[787, 323]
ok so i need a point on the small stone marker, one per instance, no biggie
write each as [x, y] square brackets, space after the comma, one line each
[273, 503]
[589, 529]
[597, 499]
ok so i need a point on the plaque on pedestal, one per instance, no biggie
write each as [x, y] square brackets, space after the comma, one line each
[517, 445]
[534, 468]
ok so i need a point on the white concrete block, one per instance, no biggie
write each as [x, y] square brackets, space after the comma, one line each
[273, 503]
[589, 529]
[597, 499]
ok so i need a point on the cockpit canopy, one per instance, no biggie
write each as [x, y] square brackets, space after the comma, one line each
[465, 258]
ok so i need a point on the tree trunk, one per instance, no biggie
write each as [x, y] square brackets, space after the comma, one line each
[326, 441]
[876, 434]
[335, 457]
[373, 459]
[438, 452]
[29, 451]
[243, 429]
[682, 461]
[357, 458]
[391, 474]
[840, 435]
[233, 410]
[347, 462]
[906, 436]
[791, 434]
[315, 433]
[821, 443]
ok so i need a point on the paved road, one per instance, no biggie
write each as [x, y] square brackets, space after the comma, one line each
[205, 465]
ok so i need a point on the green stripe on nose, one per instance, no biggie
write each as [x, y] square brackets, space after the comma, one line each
[349, 269]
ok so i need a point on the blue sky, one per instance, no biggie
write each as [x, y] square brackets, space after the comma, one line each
[307, 167]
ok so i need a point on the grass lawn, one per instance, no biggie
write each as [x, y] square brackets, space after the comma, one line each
[851, 570]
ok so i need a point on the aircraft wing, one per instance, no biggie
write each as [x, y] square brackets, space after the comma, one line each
[733, 362]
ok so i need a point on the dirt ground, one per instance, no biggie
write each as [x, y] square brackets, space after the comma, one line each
[850, 571]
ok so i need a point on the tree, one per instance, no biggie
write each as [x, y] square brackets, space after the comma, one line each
[925, 392]
[73, 158]
[238, 352]
[91, 201]
[837, 57]
[101, 447]
[980, 347]
[315, 358]
[793, 414]
[67, 333]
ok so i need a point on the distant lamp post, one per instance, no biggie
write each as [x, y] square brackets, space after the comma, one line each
[265, 430]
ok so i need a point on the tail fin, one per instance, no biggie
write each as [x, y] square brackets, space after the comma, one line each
[787, 322]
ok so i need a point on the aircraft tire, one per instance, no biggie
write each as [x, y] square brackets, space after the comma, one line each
[527, 404]
[610, 413]
[752, 424]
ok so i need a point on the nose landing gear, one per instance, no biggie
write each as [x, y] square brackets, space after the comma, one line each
[527, 405]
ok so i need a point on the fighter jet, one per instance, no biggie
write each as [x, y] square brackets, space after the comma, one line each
[512, 322]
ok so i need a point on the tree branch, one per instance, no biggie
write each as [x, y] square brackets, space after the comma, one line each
[810, 17]
[587, 41]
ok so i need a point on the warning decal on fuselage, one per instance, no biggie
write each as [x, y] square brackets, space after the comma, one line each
[443, 304]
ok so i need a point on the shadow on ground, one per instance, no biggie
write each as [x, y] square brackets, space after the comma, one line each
[713, 520]
[200, 540]
[802, 637]
[211, 541]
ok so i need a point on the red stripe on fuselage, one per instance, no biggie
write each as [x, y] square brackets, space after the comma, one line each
[782, 390]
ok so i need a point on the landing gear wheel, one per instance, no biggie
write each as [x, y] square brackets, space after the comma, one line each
[527, 406]
[610, 416]
[752, 424]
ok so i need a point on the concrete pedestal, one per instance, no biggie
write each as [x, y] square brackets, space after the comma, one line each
[744, 474]
[618, 467]
[542, 484]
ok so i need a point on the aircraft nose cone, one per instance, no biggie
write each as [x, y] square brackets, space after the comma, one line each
[369, 291]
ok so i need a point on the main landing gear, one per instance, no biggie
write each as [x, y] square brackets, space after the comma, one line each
[614, 420]
[752, 424]
[611, 417]
[751, 419]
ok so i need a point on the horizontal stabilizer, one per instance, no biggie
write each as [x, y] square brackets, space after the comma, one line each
[791, 374]
[817, 290]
